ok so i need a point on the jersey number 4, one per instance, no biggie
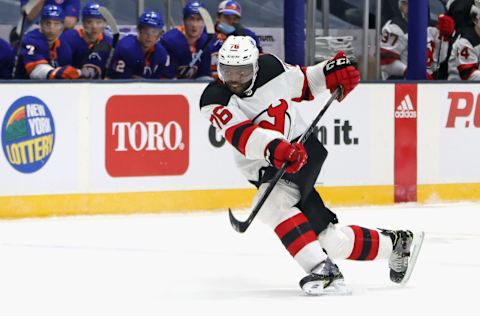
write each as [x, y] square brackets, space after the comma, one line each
[464, 53]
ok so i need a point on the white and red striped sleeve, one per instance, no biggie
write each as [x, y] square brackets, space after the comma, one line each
[218, 106]
[306, 82]
[467, 59]
[393, 44]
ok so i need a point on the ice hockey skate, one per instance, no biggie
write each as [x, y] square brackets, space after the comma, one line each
[326, 279]
[406, 247]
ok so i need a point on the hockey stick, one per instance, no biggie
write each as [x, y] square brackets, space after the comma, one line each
[210, 36]
[437, 62]
[26, 9]
[242, 226]
[116, 34]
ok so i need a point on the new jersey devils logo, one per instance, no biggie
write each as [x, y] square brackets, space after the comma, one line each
[276, 117]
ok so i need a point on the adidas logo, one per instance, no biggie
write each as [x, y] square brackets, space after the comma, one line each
[405, 109]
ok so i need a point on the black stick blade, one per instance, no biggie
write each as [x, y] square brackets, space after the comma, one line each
[239, 226]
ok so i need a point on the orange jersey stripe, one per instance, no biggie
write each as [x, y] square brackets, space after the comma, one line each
[30, 66]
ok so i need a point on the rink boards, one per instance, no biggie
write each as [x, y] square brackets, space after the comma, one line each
[96, 148]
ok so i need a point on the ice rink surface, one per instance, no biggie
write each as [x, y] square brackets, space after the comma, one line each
[195, 264]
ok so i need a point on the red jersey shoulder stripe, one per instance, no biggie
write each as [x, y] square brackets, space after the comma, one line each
[466, 70]
[387, 57]
[239, 134]
[306, 93]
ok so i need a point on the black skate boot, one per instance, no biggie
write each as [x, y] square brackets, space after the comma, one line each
[406, 246]
[325, 279]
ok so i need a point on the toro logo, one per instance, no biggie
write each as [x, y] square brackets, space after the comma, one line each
[462, 106]
[147, 135]
[28, 134]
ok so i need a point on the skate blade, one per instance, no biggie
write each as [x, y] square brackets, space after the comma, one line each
[416, 246]
[337, 288]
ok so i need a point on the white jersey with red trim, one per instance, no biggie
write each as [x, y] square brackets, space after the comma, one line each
[251, 122]
[394, 49]
[465, 57]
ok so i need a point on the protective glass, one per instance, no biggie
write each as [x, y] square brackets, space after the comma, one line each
[240, 73]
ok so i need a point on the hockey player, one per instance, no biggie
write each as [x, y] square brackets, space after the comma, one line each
[70, 9]
[254, 105]
[43, 55]
[464, 60]
[184, 42]
[394, 49]
[229, 14]
[7, 56]
[142, 56]
[90, 45]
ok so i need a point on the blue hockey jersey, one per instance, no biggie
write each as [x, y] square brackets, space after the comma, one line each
[181, 54]
[90, 58]
[7, 56]
[130, 62]
[35, 51]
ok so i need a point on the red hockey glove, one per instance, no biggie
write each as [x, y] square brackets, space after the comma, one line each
[340, 72]
[280, 151]
[446, 26]
[64, 72]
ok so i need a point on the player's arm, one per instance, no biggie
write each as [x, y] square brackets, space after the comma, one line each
[392, 45]
[171, 69]
[467, 60]
[251, 140]
[204, 64]
[164, 70]
[37, 66]
[221, 111]
[43, 70]
[308, 82]
[120, 67]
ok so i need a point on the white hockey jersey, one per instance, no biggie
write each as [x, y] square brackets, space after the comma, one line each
[465, 57]
[394, 49]
[251, 122]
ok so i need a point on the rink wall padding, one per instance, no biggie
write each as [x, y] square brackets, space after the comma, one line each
[143, 147]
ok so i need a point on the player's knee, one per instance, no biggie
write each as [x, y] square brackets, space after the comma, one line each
[279, 205]
[337, 241]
